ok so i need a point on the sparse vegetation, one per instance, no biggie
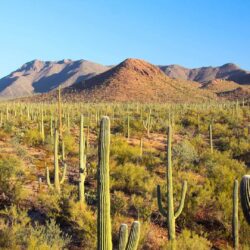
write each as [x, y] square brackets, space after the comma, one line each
[119, 183]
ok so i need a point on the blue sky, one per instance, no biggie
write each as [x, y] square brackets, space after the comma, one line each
[191, 33]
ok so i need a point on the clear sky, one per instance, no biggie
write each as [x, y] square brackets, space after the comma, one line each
[191, 33]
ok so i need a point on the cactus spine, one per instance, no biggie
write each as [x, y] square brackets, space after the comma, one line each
[170, 213]
[82, 166]
[245, 196]
[211, 138]
[104, 236]
[235, 216]
[57, 181]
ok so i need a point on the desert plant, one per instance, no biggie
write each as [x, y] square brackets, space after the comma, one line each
[245, 196]
[170, 213]
[104, 236]
[129, 242]
[57, 181]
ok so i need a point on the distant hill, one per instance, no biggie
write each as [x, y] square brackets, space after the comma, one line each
[41, 77]
[139, 81]
[230, 72]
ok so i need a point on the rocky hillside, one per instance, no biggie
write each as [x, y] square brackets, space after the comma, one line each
[139, 81]
[41, 77]
[230, 72]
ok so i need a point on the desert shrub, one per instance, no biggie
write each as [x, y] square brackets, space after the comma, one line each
[123, 152]
[131, 179]
[191, 241]
[119, 203]
[11, 178]
[82, 222]
[48, 237]
[143, 207]
[185, 154]
[32, 137]
[17, 232]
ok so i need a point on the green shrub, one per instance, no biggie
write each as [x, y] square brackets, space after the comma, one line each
[191, 241]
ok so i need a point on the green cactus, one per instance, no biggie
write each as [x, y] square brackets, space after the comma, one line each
[123, 237]
[104, 236]
[235, 227]
[131, 242]
[128, 126]
[148, 123]
[42, 128]
[211, 138]
[60, 128]
[82, 165]
[57, 181]
[245, 196]
[170, 213]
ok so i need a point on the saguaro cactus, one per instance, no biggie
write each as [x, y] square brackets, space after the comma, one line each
[235, 227]
[170, 213]
[82, 165]
[60, 113]
[57, 181]
[148, 123]
[104, 236]
[245, 196]
[131, 242]
[211, 138]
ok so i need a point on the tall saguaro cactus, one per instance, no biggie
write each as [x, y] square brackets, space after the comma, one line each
[245, 196]
[170, 213]
[57, 181]
[104, 236]
[235, 216]
[60, 113]
[129, 242]
[211, 138]
[82, 165]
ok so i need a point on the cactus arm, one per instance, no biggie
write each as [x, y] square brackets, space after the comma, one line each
[48, 178]
[183, 196]
[159, 200]
[134, 236]
[245, 196]
[123, 237]
[64, 173]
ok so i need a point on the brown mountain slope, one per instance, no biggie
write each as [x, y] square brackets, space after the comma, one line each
[43, 76]
[138, 81]
[229, 71]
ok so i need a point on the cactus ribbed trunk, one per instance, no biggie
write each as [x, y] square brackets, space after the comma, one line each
[123, 237]
[245, 196]
[104, 236]
[134, 236]
[82, 166]
[56, 164]
[60, 113]
[211, 138]
[170, 213]
[171, 220]
[235, 216]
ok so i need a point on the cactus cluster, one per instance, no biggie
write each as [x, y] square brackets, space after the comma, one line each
[57, 181]
[129, 242]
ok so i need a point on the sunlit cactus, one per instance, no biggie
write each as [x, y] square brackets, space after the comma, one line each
[170, 212]
[57, 181]
[104, 236]
[245, 196]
